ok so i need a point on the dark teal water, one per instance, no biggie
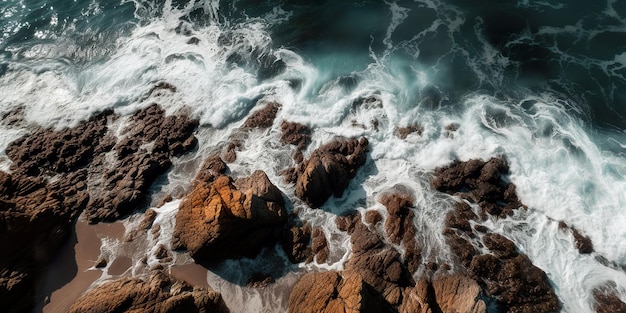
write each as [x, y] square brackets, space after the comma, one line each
[576, 49]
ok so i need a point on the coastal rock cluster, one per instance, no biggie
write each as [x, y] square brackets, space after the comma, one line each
[104, 168]
[58, 174]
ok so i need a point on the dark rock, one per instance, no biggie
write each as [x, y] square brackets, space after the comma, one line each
[403, 132]
[263, 118]
[583, 243]
[35, 219]
[480, 182]
[607, 301]
[162, 252]
[500, 245]
[221, 220]
[296, 243]
[335, 292]
[380, 267]
[126, 183]
[101, 263]
[295, 134]
[460, 217]
[400, 225]
[462, 248]
[515, 283]
[319, 245]
[328, 171]
[63, 151]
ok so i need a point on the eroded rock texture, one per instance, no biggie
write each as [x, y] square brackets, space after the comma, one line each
[505, 274]
[226, 219]
[158, 294]
[329, 169]
[143, 154]
[36, 217]
[335, 292]
[57, 174]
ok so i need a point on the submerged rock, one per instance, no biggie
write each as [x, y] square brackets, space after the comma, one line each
[607, 301]
[226, 219]
[329, 169]
[400, 226]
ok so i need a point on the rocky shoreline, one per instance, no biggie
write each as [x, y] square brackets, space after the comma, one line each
[104, 168]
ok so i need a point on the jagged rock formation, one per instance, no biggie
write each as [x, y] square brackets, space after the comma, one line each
[329, 169]
[56, 175]
[505, 274]
[158, 294]
[225, 219]
[150, 140]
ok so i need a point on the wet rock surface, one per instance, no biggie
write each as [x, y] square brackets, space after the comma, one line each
[400, 226]
[159, 293]
[581, 242]
[296, 243]
[229, 219]
[607, 301]
[329, 169]
[58, 174]
[505, 275]
[142, 155]
[47, 151]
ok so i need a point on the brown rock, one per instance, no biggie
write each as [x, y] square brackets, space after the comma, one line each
[224, 220]
[347, 222]
[583, 243]
[515, 283]
[381, 267]
[296, 243]
[126, 183]
[319, 245]
[62, 151]
[230, 155]
[335, 292]
[403, 132]
[607, 301]
[212, 167]
[328, 171]
[263, 118]
[400, 226]
[135, 295]
[460, 217]
[373, 217]
[295, 134]
[35, 220]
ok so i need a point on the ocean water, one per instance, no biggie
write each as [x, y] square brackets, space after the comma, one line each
[541, 82]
